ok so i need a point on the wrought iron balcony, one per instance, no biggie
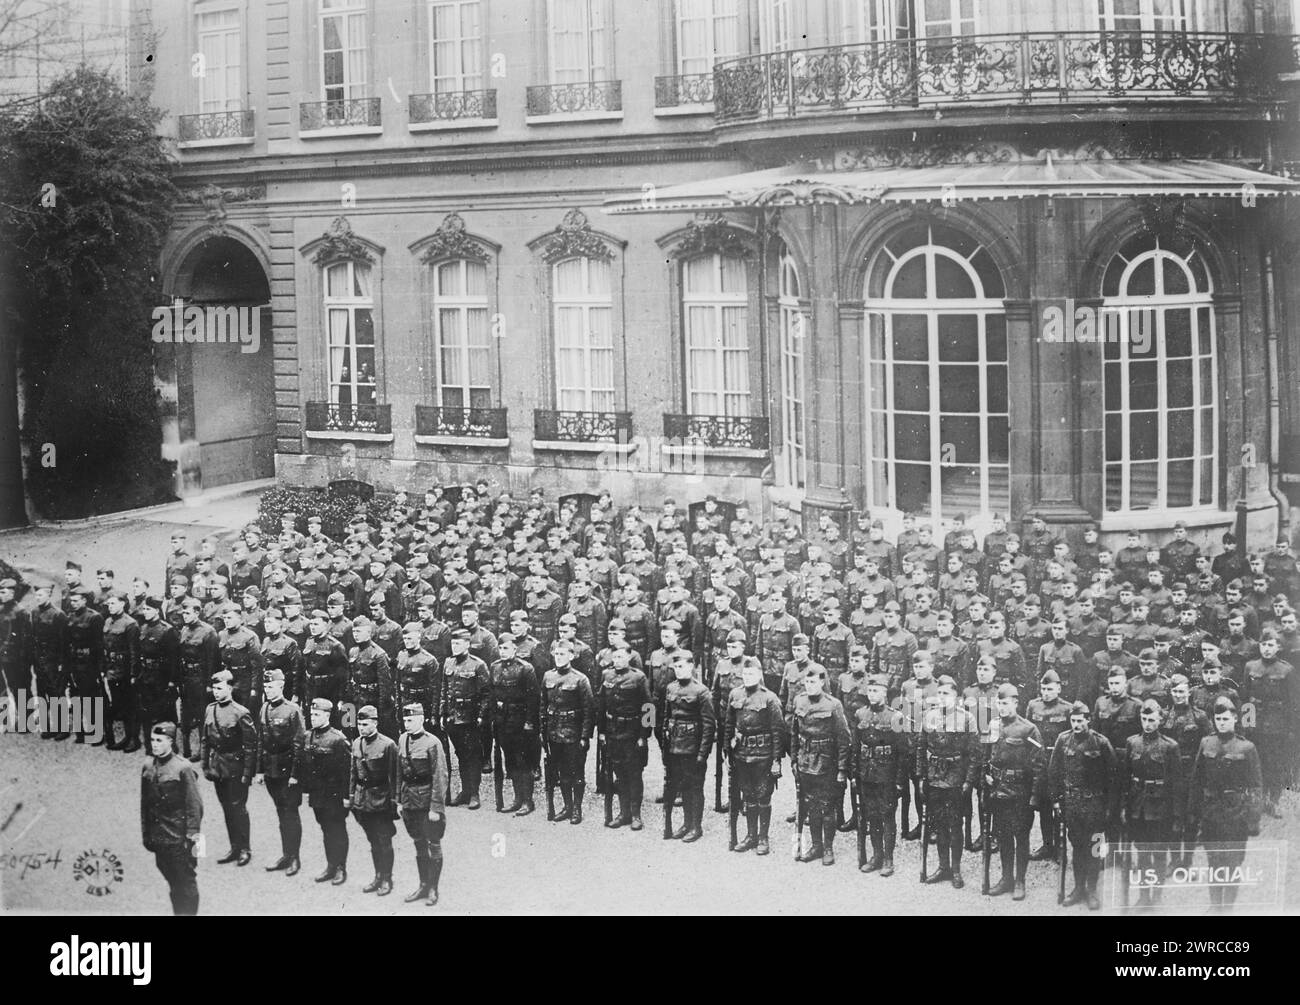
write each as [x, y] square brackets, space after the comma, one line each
[575, 99]
[746, 432]
[1027, 68]
[483, 423]
[582, 427]
[448, 106]
[684, 89]
[231, 125]
[336, 114]
[335, 417]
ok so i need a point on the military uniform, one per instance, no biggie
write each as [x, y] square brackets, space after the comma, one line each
[280, 739]
[568, 717]
[197, 647]
[1224, 801]
[819, 746]
[171, 820]
[324, 769]
[15, 648]
[156, 674]
[120, 654]
[49, 626]
[1052, 719]
[947, 749]
[881, 749]
[422, 780]
[370, 682]
[281, 652]
[621, 707]
[515, 704]
[466, 691]
[229, 762]
[1081, 780]
[892, 656]
[754, 738]
[240, 652]
[324, 669]
[1152, 798]
[1117, 719]
[774, 651]
[1015, 762]
[1187, 726]
[686, 735]
[1273, 687]
[373, 788]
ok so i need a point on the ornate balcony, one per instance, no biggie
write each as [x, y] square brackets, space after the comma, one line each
[452, 106]
[230, 127]
[474, 423]
[684, 89]
[334, 417]
[581, 427]
[726, 432]
[1056, 67]
[599, 98]
[339, 114]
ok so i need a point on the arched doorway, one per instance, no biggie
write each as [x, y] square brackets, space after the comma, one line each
[225, 392]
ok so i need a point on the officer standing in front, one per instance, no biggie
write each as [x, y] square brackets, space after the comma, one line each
[689, 727]
[755, 737]
[373, 800]
[421, 785]
[323, 768]
[946, 752]
[171, 817]
[281, 737]
[1014, 771]
[819, 746]
[1152, 799]
[1081, 776]
[229, 761]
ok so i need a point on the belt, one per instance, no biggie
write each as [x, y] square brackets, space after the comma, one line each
[1007, 774]
[755, 741]
[1150, 784]
[880, 750]
[815, 746]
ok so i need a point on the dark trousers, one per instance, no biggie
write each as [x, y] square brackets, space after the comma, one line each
[469, 756]
[121, 707]
[517, 760]
[379, 828]
[1012, 822]
[879, 804]
[1150, 839]
[944, 809]
[1082, 831]
[626, 765]
[177, 867]
[486, 732]
[755, 781]
[194, 702]
[1211, 835]
[153, 705]
[287, 800]
[821, 795]
[427, 836]
[51, 681]
[684, 776]
[333, 820]
[232, 793]
[86, 684]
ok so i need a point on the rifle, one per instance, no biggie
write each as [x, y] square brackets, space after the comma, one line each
[968, 810]
[600, 766]
[605, 771]
[856, 808]
[733, 800]
[1060, 859]
[717, 782]
[549, 775]
[907, 804]
[498, 774]
[923, 812]
[798, 798]
[986, 837]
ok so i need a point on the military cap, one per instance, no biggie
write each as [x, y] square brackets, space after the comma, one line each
[151, 601]
[1151, 705]
[1147, 655]
[1165, 635]
[675, 626]
[830, 604]
[274, 612]
[460, 633]
[427, 600]
[1080, 708]
[505, 637]
[569, 619]
[866, 557]
[191, 604]
[1224, 705]
[8, 584]
[1008, 691]
[367, 712]
[273, 676]
[877, 680]
[167, 729]
[334, 600]
[736, 635]
[1115, 629]
[799, 639]
[619, 645]
[318, 613]
[1033, 601]
[322, 705]
[252, 591]
[179, 580]
[377, 598]
[894, 606]
[412, 628]
[877, 525]
[412, 708]
[946, 681]
[1013, 536]
[222, 677]
[518, 615]
[922, 656]
[1051, 677]
[944, 615]
[859, 651]
[229, 610]
[616, 625]
[1178, 680]
[72, 565]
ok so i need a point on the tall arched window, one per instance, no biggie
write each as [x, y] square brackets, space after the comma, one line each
[350, 332]
[1161, 401]
[460, 315]
[715, 304]
[793, 333]
[936, 401]
[584, 335]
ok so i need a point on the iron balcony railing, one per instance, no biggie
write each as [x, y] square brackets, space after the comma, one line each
[684, 89]
[572, 99]
[230, 125]
[336, 417]
[582, 427]
[749, 432]
[483, 423]
[1027, 68]
[448, 106]
[338, 113]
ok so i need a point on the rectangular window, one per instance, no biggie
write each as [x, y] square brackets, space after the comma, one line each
[455, 46]
[776, 26]
[344, 49]
[876, 20]
[1148, 16]
[584, 335]
[221, 84]
[350, 334]
[460, 309]
[715, 303]
[579, 41]
[947, 18]
[707, 31]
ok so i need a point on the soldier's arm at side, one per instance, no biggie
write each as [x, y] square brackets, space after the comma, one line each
[193, 803]
[248, 741]
[146, 809]
[708, 730]
[843, 741]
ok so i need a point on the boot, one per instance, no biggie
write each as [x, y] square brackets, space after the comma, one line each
[566, 793]
[851, 824]
[340, 876]
[887, 869]
[245, 856]
[228, 857]
[636, 824]
[813, 854]
[525, 808]
[1075, 896]
[472, 803]
[693, 807]
[576, 816]
[294, 867]
[828, 841]
[279, 864]
[131, 746]
[1045, 853]
[764, 821]
[1094, 902]
[957, 881]
[624, 817]
[435, 870]
[385, 886]
[422, 891]
[1019, 892]
[668, 824]
[372, 886]
[328, 874]
[1003, 886]
[872, 864]
[550, 803]
[750, 839]
[941, 875]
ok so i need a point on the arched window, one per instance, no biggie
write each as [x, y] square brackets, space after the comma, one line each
[793, 333]
[936, 401]
[1161, 400]
[350, 332]
[584, 335]
[715, 306]
[460, 316]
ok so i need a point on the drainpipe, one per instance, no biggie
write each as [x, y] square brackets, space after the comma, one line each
[1274, 393]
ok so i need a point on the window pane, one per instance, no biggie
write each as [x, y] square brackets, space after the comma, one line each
[475, 279]
[1144, 436]
[996, 377]
[1178, 332]
[1181, 428]
[1143, 485]
[1208, 440]
[1204, 331]
[1114, 486]
[1143, 389]
[365, 327]
[598, 273]
[995, 336]
[1114, 389]
[1206, 497]
[336, 280]
[911, 388]
[448, 280]
[999, 444]
[913, 487]
[959, 440]
[1114, 437]
[1141, 282]
[912, 437]
[951, 280]
[959, 488]
[1175, 277]
[568, 278]
[959, 338]
[1204, 373]
[1178, 384]
[733, 274]
[909, 281]
[960, 388]
[1180, 483]
[911, 336]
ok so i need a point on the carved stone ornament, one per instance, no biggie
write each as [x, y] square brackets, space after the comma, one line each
[451, 241]
[340, 243]
[574, 238]
[213, 199]
[708, 233]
